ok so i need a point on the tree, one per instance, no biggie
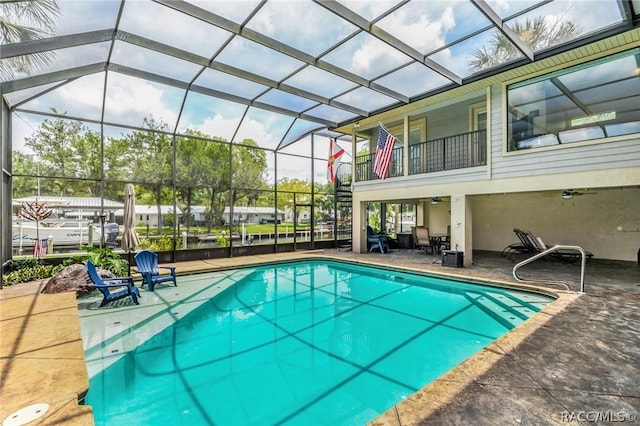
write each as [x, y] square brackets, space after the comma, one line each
[538, 33]
[26, 21]
[153, 163]
[117, 163]
[203, 167]
[88, 162]
[324, 207]
[67, 149]
[23, 164]
[288, 187]
[248, 164]
[64, 148]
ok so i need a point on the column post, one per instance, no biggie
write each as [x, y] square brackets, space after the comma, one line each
[462, 227]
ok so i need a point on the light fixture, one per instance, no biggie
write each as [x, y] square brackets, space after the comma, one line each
[435, 200]
[567, 195]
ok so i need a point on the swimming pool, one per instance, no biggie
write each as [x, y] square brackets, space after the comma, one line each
[309, 343]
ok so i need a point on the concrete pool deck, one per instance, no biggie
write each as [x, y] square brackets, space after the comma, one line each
[576, 360]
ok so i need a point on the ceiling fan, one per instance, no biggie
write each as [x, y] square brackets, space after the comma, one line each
[568, 194]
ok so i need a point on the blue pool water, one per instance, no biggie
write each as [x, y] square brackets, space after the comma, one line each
[313, 343]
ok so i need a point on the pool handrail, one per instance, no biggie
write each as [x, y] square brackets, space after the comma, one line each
[583, 255]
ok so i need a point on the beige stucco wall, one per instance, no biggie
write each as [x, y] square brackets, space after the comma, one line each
[589, 220]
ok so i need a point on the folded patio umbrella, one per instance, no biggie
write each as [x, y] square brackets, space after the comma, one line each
[130, 238]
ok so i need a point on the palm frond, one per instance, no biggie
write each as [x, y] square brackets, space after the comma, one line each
[482, 59]
[11, 33]
[22, 22]
[538, 33]
[39, 13]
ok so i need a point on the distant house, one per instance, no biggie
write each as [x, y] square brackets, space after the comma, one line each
[198, 215]
[240, 215]
[149, 215]
[304, 215]
[253, 215]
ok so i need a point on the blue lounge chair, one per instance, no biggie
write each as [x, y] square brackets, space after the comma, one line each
[147, 265]
[126, 285]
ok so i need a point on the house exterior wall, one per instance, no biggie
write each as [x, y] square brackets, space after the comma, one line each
[523, 188]
[613, 153]
[440, 123]
[603, 221]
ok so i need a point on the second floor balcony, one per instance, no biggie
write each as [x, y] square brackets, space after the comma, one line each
[448, 153]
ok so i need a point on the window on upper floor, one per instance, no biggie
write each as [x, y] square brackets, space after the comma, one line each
[597, 100]
[478, 116]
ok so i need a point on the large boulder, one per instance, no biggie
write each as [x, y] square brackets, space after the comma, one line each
[73, 278]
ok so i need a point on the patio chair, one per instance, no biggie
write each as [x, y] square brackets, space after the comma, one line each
[423, 242]
[445, 242]
[377, 241]
[126, 286]
[147, 265]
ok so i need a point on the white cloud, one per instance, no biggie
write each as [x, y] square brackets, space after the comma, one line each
[169, 26]
[371, 54]
[218, 126]
[315, 28]
[423, 33]
[81, 98]
[129, 100]
[236, 10]
[252, 129]
[242, 53]
[369, 10]
[500, 5]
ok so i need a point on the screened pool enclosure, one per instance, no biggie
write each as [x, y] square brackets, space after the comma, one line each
[221, 112]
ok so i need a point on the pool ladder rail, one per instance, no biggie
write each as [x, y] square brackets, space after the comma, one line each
[583, 254]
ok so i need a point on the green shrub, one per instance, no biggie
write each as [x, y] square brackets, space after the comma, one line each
[144, 244]
[15, 265]
[29, 269]
[29, 272]
[104, 258]
[164, 243]
[223, 239]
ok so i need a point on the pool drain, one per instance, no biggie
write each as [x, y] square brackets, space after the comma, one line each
[26, 415]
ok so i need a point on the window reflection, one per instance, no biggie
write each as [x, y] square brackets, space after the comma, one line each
[588, 102]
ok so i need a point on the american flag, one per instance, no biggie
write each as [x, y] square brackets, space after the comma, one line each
[40, 248]
[384, 152]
